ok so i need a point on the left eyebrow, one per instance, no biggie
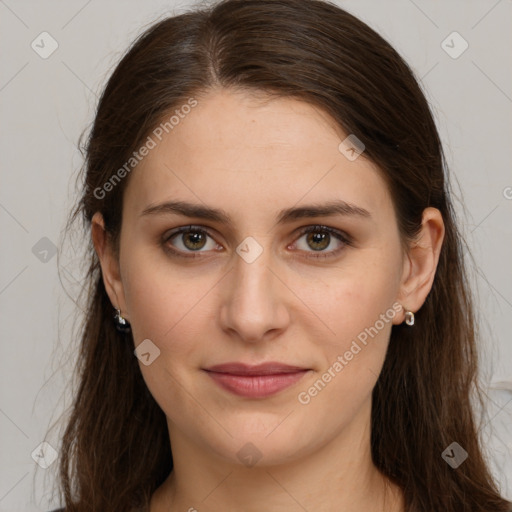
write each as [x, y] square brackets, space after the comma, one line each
[328, 209]
[187, 209]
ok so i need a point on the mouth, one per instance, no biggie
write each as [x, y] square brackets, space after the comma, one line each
[255, 381]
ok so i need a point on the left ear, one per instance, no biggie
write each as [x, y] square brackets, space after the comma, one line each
[420, 263]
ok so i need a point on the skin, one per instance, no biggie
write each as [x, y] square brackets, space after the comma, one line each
[253, 158]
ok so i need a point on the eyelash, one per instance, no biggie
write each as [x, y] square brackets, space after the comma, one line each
[339, 235]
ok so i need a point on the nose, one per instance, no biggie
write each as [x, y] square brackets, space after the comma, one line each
[254, 299]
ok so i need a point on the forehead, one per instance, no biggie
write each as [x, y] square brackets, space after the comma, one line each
[251, 155]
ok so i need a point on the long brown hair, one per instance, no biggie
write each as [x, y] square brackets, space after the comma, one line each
[318, 53]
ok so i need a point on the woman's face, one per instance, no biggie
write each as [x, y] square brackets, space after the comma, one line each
[247, 285]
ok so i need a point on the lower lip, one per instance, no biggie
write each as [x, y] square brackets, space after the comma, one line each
[256, 386]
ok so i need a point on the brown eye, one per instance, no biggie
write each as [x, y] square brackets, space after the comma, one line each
[318, 241]
[189, 239]
[193, 240]
[319, 238]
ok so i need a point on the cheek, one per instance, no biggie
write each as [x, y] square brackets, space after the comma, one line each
[172, 308]
[361, 316]
[164, 308]
[362, 322]
[358, 306]
[159, 297]
[356, 294]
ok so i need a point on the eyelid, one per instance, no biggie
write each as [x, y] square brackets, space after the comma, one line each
[341, 236]
[185, 229]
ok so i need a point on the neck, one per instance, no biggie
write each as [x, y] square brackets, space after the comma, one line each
[336, 475]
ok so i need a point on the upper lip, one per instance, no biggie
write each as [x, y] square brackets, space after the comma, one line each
[271, 368]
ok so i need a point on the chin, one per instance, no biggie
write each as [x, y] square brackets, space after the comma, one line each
[251, 445]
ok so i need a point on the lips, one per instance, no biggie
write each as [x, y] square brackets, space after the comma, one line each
[259, 369]
[255, 381]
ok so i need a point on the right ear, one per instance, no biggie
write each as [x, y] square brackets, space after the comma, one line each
[109, 263]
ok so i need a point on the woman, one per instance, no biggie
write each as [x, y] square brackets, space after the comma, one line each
[266, 197]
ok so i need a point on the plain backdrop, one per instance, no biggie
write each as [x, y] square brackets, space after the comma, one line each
[46, 103]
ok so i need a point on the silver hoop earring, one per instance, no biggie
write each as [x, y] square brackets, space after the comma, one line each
[409, 318]
[122, 325]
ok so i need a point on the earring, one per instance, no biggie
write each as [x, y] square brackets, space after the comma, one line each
[409, 318]
[122, 325]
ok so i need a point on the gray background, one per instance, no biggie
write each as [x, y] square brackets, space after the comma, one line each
[45, 104]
